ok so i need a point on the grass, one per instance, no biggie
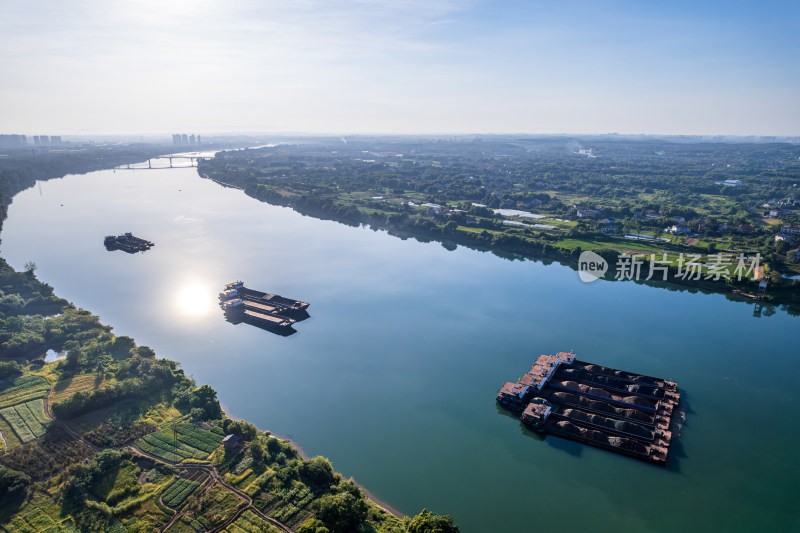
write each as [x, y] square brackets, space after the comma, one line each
[66, 387]
[117, 481]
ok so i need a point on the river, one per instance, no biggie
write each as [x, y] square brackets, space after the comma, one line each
[393, 376]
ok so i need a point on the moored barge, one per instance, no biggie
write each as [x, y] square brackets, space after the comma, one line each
[237, 289]
[259, 308]
[621, 411]
[127, 243]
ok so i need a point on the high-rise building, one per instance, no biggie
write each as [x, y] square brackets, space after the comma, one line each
[176, 138]
[12, 141]
[184, 138]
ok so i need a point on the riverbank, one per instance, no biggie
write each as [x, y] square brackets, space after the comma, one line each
[380, 504]
[108, 395]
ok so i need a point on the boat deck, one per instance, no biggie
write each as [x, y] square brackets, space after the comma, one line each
[260, 308]
[613, 409]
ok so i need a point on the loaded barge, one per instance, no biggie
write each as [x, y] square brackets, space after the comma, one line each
[261, 308]
[613, 409]
[127, 243]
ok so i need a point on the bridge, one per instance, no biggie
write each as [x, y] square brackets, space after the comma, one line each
[193, 161]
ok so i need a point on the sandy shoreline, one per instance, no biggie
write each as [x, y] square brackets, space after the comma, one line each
[386, 507]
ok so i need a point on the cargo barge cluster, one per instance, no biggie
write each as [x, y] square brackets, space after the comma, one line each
[127, 243]
[260, 308]
[613, 409]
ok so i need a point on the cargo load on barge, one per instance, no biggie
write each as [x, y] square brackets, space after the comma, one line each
[260, 308]
[285, 306]
[613, 409]
[127, 243]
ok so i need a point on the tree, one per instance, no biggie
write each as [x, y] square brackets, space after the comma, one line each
[240, 428]
[13, 484]
[143, 351]
[9, 369]
[341, 512]
[313, 525]
[30, 268]
[205, 399]
[122, 346]
[73, 349]
[318, 471]
[428, 522]
[257, 451]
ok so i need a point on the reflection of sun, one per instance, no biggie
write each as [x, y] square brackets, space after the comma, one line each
[195, 300]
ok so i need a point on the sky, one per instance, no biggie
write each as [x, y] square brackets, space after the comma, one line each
[394, 66]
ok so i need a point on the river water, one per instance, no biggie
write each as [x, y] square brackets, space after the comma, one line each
[393, 376]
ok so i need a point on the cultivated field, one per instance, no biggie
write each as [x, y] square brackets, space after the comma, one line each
[27, 419]
[250, 522]
[192, 442]
[22, 389]
[177, 492]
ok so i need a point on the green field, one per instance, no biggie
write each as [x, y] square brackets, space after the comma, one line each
[250, 522]
[192, 442]
[177, 492]
[39, 515]
[26, 419]
[23, 389]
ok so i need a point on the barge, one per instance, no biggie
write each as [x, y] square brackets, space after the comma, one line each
[253, 298]
[270, 311]
[616, 410]
[127, 243]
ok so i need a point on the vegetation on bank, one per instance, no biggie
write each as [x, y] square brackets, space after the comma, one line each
[113, 438]
[560, 199]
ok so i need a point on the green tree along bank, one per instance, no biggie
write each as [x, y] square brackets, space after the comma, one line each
[454, 193]
[110, 399]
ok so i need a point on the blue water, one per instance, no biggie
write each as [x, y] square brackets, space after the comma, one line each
[393, 376]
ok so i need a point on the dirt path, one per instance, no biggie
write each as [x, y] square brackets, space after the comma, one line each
[215, 477]
[63, 425]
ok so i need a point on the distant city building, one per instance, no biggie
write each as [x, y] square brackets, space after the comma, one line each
[179, 139]
[12, 140]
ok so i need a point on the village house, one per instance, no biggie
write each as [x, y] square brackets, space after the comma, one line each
[679, 229]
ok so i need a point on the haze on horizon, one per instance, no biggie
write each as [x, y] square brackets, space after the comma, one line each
[380, 66]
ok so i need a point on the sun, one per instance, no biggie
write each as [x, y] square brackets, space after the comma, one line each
[195, 300]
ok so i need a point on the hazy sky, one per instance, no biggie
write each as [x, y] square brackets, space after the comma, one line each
[419, 66]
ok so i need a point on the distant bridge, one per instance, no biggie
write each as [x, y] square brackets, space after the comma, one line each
[193, 161]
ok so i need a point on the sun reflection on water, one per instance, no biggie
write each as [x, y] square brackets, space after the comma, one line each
[195, 299]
